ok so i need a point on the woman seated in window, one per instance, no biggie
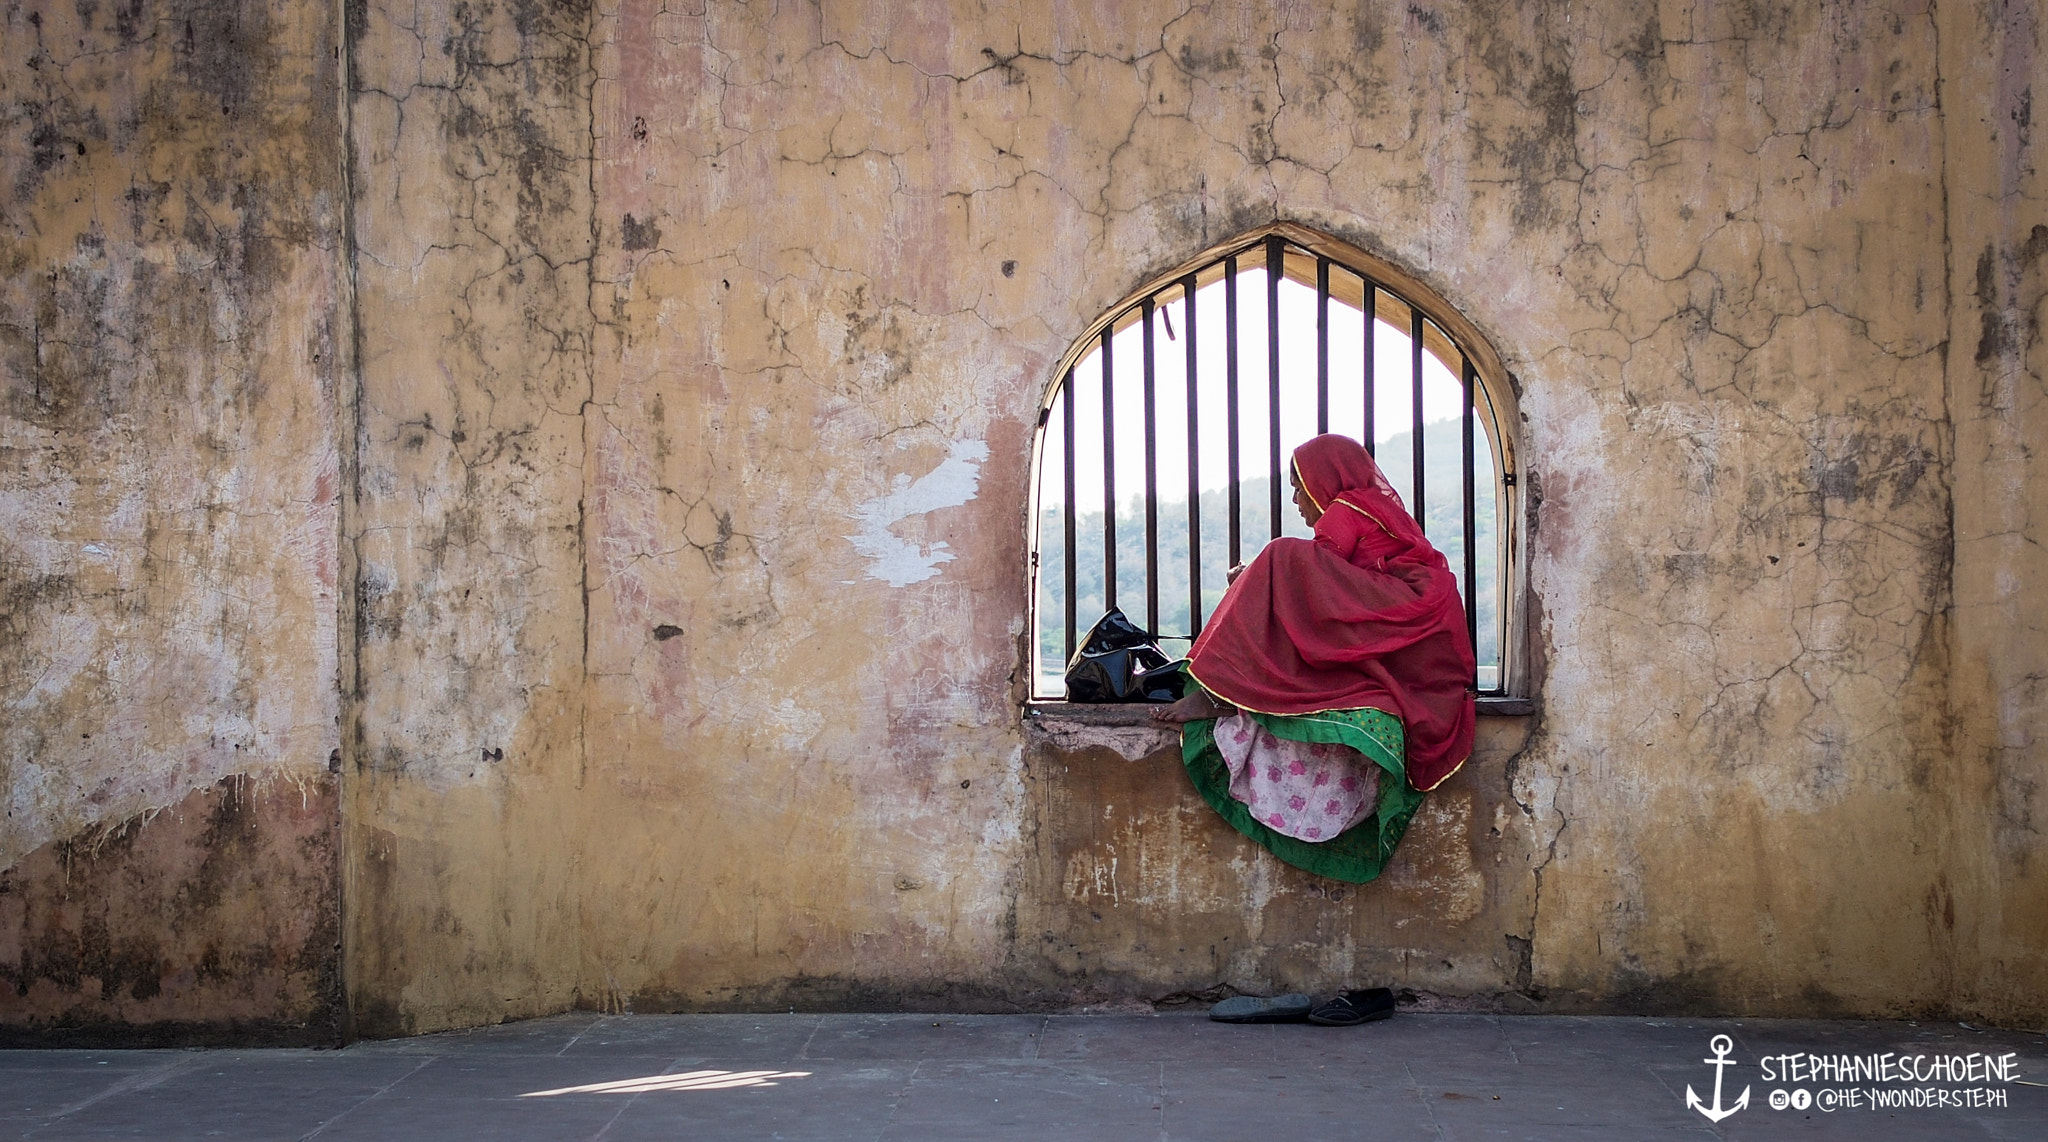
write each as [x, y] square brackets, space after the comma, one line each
[1329, 691]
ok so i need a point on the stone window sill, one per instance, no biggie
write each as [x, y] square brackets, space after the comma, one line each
[1140, 713]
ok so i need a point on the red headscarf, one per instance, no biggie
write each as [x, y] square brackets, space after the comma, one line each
[1367, 614]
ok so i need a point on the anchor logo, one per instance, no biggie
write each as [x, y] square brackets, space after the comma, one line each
[1721, 1045]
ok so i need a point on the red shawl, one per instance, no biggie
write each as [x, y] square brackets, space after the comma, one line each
[1367, 614]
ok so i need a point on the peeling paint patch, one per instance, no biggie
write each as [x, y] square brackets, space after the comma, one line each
[894, 559]
[1132, 743]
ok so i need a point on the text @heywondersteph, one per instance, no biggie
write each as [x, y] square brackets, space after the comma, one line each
[1890, 1081]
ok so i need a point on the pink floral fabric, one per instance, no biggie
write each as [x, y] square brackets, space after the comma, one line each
[1305, 790]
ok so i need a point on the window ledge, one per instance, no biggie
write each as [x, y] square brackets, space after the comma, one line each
[1140, 713]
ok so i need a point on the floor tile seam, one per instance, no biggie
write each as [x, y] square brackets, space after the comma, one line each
[1071, 1067]
[817, 1025]
[1159, 1092]
[896, 1103]
[1666, 1084]
[1429, 1111]
[1501, 1030]
[578, 1036]
[369, 1098]
[606, 1129]
[141, 1080]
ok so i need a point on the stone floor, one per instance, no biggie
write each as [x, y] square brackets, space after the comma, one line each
[1011, 1076]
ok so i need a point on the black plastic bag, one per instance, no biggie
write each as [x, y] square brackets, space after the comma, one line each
[1119, 662]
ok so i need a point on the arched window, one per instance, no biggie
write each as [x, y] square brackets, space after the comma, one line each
[1162, 443]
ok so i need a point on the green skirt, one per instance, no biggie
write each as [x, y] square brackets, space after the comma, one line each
[1357, 854]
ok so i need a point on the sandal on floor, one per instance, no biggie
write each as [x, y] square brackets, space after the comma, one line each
[1354, 1007]
[1291, 1008]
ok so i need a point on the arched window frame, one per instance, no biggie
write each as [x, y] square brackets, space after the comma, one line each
[1400, 298]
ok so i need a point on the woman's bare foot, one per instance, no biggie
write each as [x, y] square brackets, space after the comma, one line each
[1196, 706]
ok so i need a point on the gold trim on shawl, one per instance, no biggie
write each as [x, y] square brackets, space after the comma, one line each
[1295, 463]
[1368, 515]
[1440, 780]
[1190, 668]
[1214, 693]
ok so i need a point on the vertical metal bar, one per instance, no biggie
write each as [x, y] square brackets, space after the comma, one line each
[1108, 469]
[1322, 345]
[1230, 396]
[1146, 309]
[1067, 450]
[1371, 305]
[1187, 293]
[1471, 525]
[1415, 399]
[1276, 265]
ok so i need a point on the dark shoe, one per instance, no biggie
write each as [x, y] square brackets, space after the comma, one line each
[1291, 1008]
[1354, 1007]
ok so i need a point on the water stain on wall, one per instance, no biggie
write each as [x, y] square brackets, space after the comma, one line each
[213, 920]
[169, 362]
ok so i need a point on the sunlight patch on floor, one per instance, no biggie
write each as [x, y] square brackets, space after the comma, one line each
[688, 1080]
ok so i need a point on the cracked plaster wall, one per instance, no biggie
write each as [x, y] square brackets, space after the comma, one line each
[1994, 55]
[467, 810]
[170, 232]
[834, 249]
[698, 350]
[1712, 242]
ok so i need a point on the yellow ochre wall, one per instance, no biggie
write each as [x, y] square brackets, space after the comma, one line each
[676, 382]
[173, 341]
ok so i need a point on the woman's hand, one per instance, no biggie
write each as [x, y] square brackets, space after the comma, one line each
[1231, 575]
